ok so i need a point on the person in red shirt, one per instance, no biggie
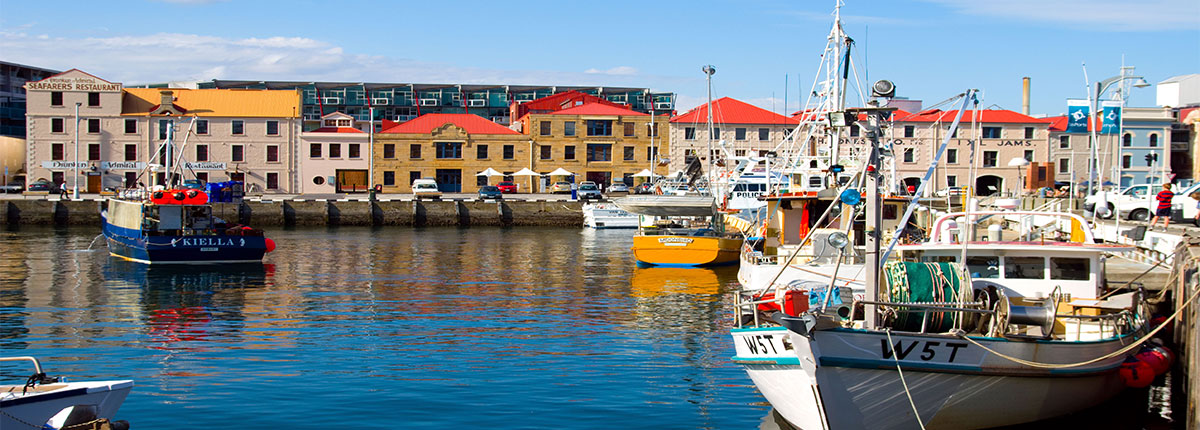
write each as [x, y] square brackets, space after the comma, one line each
[1164, 207]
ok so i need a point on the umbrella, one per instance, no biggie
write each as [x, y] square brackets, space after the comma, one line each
[526, 172]
[560, 172]
[645, 173]
[489, 172]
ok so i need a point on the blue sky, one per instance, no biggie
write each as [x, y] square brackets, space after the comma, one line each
[931, 49]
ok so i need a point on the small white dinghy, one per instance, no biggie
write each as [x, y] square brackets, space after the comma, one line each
[44, 402]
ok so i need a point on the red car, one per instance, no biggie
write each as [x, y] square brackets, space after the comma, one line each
[507, 187]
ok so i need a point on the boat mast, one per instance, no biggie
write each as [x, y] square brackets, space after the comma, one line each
[709, 70]
[836, 80]
[874, 217]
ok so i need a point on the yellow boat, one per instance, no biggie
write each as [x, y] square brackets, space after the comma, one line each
[680, 231]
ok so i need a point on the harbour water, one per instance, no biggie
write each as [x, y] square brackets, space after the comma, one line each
[397, 328]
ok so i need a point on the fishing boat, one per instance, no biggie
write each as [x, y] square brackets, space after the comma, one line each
[957, 333]
[177, 225]
[607, 215]
[45, 402]
[680, 231]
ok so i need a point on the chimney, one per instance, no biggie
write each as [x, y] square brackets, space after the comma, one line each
[168, 100]
[1025, 96]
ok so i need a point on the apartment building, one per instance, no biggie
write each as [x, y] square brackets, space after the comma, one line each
[739, 130]
[450, 148]
[597, 142]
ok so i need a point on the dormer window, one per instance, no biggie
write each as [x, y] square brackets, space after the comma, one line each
[331, 123]
[343, 123]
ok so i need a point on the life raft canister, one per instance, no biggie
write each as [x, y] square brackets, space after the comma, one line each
[378, 188]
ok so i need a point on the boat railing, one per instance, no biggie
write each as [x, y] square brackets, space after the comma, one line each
[37, 367]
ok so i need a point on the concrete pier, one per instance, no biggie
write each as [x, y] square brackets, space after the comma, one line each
[1187, 327]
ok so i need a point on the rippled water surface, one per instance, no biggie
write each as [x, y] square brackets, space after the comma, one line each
[369, 328]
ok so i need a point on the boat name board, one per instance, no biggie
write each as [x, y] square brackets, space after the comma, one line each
[840, 348]
[675, 241]
[208, 242]
[773, 345]
[929, 352]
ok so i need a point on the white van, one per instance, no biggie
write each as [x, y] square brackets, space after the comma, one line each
[425, 188]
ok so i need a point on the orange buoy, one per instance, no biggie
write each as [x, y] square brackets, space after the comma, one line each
[1156, 361]
[1165, 355]
[1136, 373]
[270, 244]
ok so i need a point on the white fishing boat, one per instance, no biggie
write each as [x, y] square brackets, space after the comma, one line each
[44, 402]
[959, 333]
[607, 215]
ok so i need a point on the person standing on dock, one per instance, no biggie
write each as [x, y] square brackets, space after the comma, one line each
[1164, 207]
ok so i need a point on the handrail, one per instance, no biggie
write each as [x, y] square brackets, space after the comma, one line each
[37, 367]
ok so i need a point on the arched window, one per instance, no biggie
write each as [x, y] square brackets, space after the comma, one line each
[1126, 161]
[1127, 139]
[1153, 140]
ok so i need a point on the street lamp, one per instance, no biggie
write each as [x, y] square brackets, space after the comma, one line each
[1101, 87]
[1019, 163]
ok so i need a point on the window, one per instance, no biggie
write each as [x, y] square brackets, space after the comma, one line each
[544, 152]
[739, 153]
[854, 130]
[335, 150]
[272, 180]
[93, 99]
[56, 151]
[202, 126]
[56, 125]
[481, 181]
[93, 125]
[60, 178]
[739, 133]
[389, 150]
[481, 152]
[1153, 140]
[1024, 267]
[629, 129]
[448, 149]
[909, 155]
[951, 181]
[93, 152]
[314, 150]
[1029, 155]
[1070, 269]
[1064, 164]
[569, 128]
[202, 176]
[954, 134]
[544, 128]
[163, 125]
[56, 98]
[354, 150]
[130, 152]
[1127, 139]
[509, 152]
[413, 176]
[989, 158]
[910, 130]
[237, 153]
[651, 153]
[130, 179]
[991, 132]
[628, 153]
[651, 130]
[599, 152]
[201, 152]
[984, 267]
[764, 134]
[689, 133]
[569, 152]
[239, 127]
[272, 153]
[1029, 132]
[272, 128]
[130, 126]
[951, 156]
[716, 133]
[1064, 142]
[1126, 161]
[599, 127]
[389, 178]
[414, 151]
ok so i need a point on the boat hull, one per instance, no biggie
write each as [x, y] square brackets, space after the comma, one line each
[685, 251]
[848, 378]
[607, 215]
[38, 407]
[133, 245]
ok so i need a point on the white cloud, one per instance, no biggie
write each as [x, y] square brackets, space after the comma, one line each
[1108, 15]
[617, 71]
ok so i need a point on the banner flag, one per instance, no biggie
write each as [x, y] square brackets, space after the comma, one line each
[1111, 118]
[1077, 116]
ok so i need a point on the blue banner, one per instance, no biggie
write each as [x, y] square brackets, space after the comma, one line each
[1077, 116]
[1111, 118]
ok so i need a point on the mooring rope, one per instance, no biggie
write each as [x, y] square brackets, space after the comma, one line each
[962, 334]
[902, 382]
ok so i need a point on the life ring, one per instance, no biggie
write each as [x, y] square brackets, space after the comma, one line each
[378, 188]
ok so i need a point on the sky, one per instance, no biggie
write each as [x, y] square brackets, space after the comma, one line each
[765, 51]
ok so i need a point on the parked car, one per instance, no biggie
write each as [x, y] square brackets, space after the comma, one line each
[618, 187]
[13, 187]
[561, 187]
[193, 184]
[1133, 202]
[490, 192]
[44, 185]
[589, 190]
[644, 188]
[425, 188]
[507, 187]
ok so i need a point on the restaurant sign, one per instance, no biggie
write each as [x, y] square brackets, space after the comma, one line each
[75, 83]
[204, 165]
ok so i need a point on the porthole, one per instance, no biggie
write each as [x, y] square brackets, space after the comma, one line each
[319, 180]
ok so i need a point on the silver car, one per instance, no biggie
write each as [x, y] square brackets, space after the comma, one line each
[618, 187]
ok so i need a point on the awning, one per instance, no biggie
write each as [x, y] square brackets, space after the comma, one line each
[489, 172]
[560, 172]
[645, 173]
[526, 172]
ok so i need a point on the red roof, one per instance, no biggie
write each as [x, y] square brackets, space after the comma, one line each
[473, 124]
[732, 111]
[337, 130]
[985, 116]
[599, 109]
[556, 102]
